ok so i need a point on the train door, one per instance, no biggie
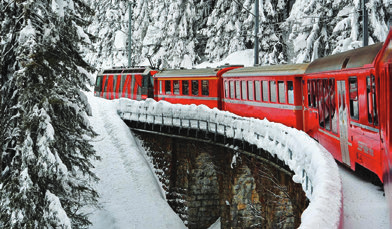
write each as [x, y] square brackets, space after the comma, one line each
[310, 113]
[343, 121]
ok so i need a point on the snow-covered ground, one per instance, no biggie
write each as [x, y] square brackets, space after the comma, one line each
[132, 198]
[364, 204]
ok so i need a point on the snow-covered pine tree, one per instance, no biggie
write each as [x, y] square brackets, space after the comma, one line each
[323, 28]
[110, 28]
[308, 29]
[44, 136]
[229, 28]
[272, 45]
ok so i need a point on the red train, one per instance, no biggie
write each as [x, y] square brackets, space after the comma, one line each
[343, 101]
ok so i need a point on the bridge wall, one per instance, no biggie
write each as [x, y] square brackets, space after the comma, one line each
[205, 181]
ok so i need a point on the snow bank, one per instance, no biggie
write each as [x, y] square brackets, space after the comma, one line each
[313, 165]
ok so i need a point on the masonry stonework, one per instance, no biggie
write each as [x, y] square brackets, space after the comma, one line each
[205, 182]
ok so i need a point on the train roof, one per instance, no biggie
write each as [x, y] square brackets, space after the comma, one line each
[351, 59]
[197, 72]
[140, 70]
[268, 70]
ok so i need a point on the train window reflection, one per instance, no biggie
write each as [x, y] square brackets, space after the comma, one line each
[237, 90]
[257, 90]
[176, 87]
[250, 90]
[320, 103]
[227, 89]
[290, 92]
[160, 87]
[353, 90]
[334, 117]
[273, 91]
[309, 94]
[167, 86]
[185, 87]
[204, 87]
[265, 91]
[195, 87]
[232, 90]
[371, 100]
[282, 92]
[243, 84]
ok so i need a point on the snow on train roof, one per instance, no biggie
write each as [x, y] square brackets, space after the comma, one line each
[351, 59]
[268, 70]
[197, 72]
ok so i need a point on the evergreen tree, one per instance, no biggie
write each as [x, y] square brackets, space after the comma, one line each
[110, 30]
[272, 45]
[229, 28]
[45, 152]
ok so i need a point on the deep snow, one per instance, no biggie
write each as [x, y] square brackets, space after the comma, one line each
[130, 196]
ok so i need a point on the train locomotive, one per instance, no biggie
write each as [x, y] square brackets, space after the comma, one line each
[343, 100]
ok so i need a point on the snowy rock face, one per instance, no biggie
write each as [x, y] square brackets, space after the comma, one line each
[186, 33]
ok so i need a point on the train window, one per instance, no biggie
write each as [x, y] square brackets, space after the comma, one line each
[227, 89]
[371, 100]
[160, 87]
[273, 91]
[282, 92]
[109, 87]
[232, 90]
[265, 91]
[195, 87]
[185, 87]
[98, 84]
[133, 82]
[353, 90]
[237, 90]
[204, 87]
[327, 104]
[114, 84]
[167, 87]
[243, 84]
[176, 87]
[309, 94]
[257, 90]
[334, 118]
[290, 92]
[314, 94]
[250, 90]
[119, 85]
[320, 103]
[123, 78]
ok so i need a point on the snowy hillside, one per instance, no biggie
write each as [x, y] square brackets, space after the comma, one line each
[187, 33]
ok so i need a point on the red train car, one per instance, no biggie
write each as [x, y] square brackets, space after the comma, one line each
[346, 101]
[133, 83]
[272, 92]
[191, 86]
[341, 107]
